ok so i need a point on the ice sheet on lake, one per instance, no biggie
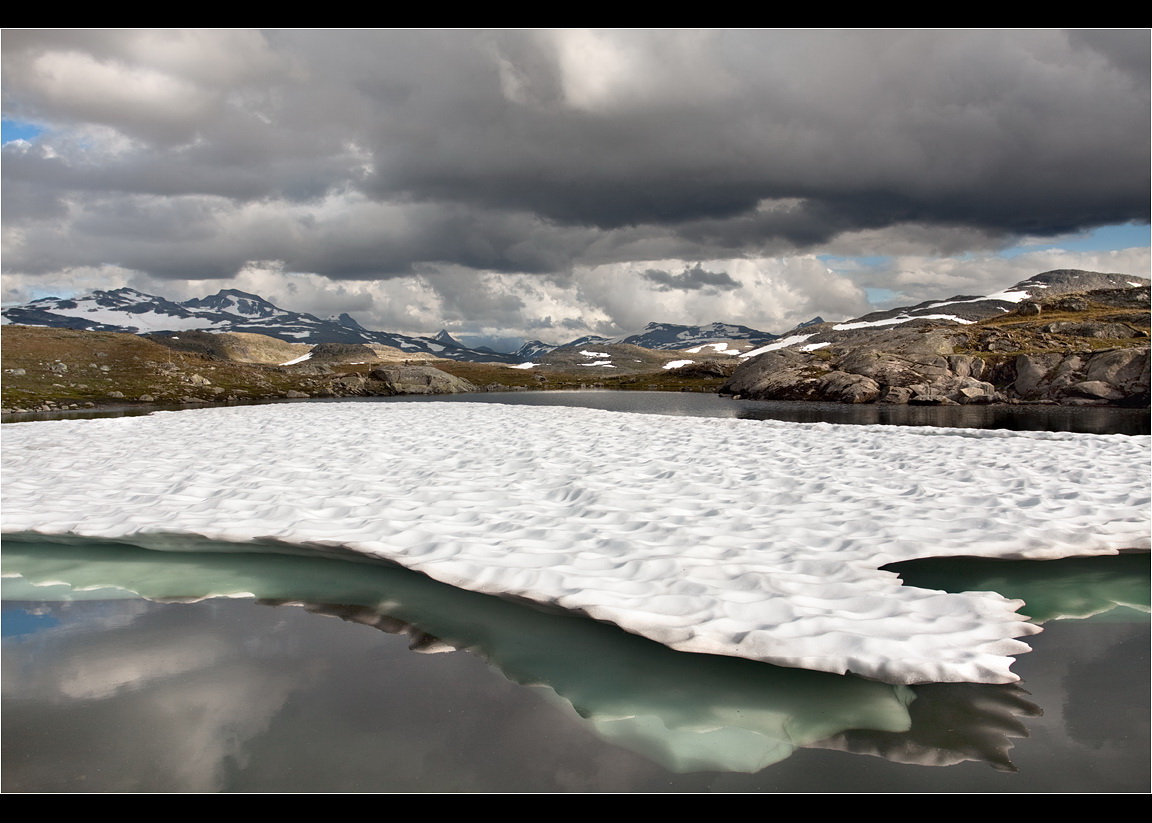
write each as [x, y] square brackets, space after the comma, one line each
[757, 539]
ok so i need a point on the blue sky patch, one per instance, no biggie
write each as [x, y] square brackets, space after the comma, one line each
[1105, 238]
[18, 130]
[18, 622]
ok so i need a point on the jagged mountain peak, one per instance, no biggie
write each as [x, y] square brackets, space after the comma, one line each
[234, 300]
[346, 320]
[444, 337]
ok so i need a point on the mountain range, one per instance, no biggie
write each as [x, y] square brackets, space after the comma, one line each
[230, 310]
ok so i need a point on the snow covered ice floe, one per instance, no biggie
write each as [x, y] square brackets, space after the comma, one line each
[756, 539]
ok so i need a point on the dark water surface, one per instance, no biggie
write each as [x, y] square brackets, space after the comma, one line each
[1089, 420]
[1086, 419]
[344, 675]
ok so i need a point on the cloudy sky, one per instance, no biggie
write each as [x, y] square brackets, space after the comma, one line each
[518, 184]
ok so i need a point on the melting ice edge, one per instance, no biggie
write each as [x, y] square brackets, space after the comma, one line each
[757, 539]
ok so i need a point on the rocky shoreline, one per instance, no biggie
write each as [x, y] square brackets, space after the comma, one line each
[1088, 348]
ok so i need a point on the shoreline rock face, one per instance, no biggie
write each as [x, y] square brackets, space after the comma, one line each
[896, 374]
[1042, 352]
[420, 380]
[388, 381]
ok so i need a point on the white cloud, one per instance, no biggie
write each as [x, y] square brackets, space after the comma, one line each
[919, 278]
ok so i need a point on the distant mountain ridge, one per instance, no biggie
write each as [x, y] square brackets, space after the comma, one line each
[661, 337]
[231, 310]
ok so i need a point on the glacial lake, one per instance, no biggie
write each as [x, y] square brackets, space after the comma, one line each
[344, 675]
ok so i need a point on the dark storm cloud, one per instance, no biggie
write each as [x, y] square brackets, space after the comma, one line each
[993, 130]
[202, 237]
[195, 170]
[374, 154]
[1126, 49]
[693, 279]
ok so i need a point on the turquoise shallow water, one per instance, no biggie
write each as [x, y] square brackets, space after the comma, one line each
[347, 676]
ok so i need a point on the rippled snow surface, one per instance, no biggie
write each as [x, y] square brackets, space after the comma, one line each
[758, 539]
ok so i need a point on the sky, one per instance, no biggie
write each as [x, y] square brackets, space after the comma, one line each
[512, 185]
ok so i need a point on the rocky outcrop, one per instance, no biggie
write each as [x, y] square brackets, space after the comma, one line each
[419, 380]
[1073, 349]
[1111, 376]
[908, 365]
[1103, 331]
[392, 380]
[704, 369]
[1106, 377]
[334, 353]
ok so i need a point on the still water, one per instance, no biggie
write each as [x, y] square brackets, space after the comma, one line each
[343, 675]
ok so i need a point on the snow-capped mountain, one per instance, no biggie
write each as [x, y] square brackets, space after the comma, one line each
[232, 310]
[117, 310]
[966, 309]
[229, 310]
[962, 310]
[660, 336]
[348, 320]
[234, 301]
[670, 336]
[533, 349]
[444, 338]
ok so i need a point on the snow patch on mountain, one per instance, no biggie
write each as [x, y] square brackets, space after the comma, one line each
[783, 343]
[903, 318]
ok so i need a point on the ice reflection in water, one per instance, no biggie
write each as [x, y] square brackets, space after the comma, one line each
[686, 712]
